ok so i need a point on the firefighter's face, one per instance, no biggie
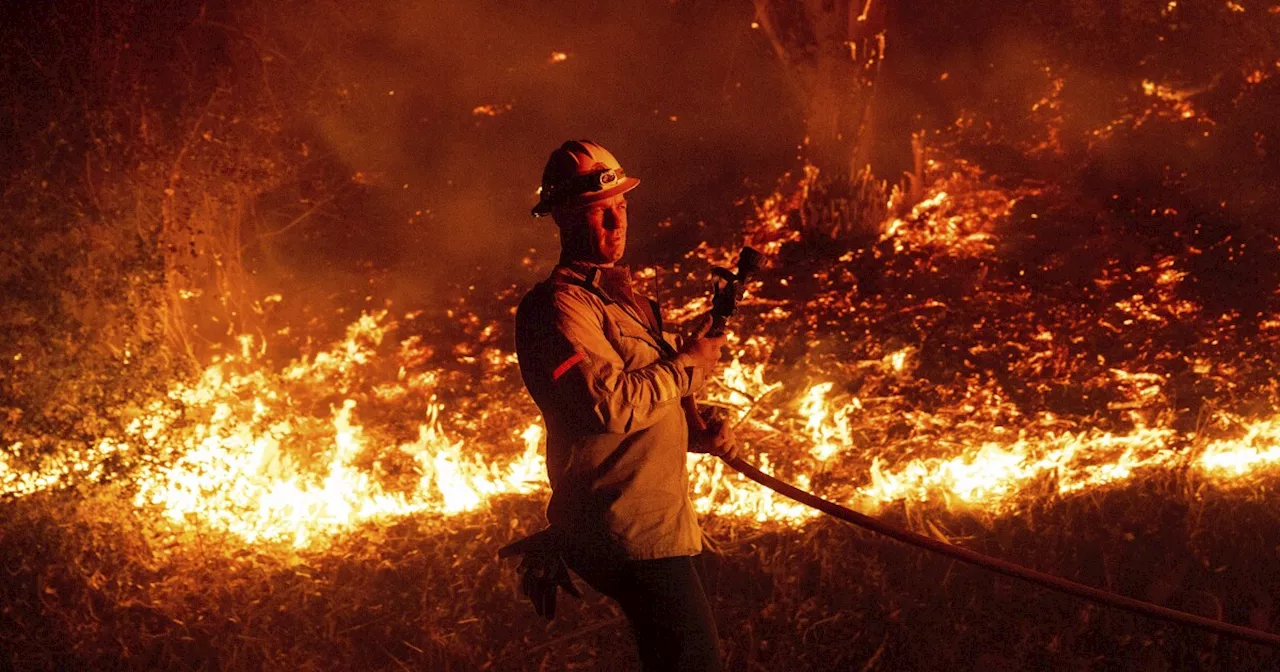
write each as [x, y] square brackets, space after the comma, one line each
[596, 232]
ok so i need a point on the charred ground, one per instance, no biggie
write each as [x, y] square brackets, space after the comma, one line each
[1055, 341]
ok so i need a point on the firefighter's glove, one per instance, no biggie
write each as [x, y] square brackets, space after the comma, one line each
[704, 350]
[542, 571]
[717, 439]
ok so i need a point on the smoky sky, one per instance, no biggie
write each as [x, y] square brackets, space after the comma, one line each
[448, 109]
[426, 124]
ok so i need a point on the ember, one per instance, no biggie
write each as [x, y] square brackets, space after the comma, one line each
[261, 401]
[238, 469]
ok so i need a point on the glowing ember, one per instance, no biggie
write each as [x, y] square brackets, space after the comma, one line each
[297, 454]
[17, 481]
[491, 110]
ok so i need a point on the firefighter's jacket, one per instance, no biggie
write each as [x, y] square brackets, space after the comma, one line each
[608, 382]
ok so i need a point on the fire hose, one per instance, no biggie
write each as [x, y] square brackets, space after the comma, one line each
[1005, 567]
[726, 294]
[724, 301]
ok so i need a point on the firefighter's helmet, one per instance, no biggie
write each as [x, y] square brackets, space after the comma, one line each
[578, 173]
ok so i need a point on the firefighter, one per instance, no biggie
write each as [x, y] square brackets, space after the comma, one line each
[609, 381]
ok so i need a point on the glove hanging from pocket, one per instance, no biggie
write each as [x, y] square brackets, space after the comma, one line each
[542, 570]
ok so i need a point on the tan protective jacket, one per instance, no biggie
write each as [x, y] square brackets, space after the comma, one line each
[609, 383]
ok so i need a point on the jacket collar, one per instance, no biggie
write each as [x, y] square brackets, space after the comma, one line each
[613, 285]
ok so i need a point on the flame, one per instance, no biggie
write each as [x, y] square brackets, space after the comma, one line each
[235, 469]
[716, 490]
[238, 467]
[235, 475]
[828, 431]
[993, 473]
[1258, 449]
[298, 453]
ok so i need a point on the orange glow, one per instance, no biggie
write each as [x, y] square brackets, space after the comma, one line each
[491, 110]
[295, 454]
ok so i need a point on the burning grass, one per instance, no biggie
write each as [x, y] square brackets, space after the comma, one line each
[426, 592]
[343, 510]
[1056, 345]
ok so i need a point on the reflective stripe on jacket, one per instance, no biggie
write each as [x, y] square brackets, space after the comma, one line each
[609, 387]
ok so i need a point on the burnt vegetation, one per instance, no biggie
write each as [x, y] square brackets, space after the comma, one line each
[1066, 241]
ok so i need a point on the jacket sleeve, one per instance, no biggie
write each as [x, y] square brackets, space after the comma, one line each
[595, 389]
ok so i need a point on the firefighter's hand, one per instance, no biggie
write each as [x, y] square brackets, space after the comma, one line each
[704, 350]
[717, 439]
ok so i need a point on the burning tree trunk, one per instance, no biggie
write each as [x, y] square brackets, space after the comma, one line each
[831, 52]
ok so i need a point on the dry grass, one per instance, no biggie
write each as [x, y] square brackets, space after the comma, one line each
[92, 582]
[88, 588]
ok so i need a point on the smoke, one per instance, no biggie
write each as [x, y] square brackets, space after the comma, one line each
[421, 127]
[443, 114]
